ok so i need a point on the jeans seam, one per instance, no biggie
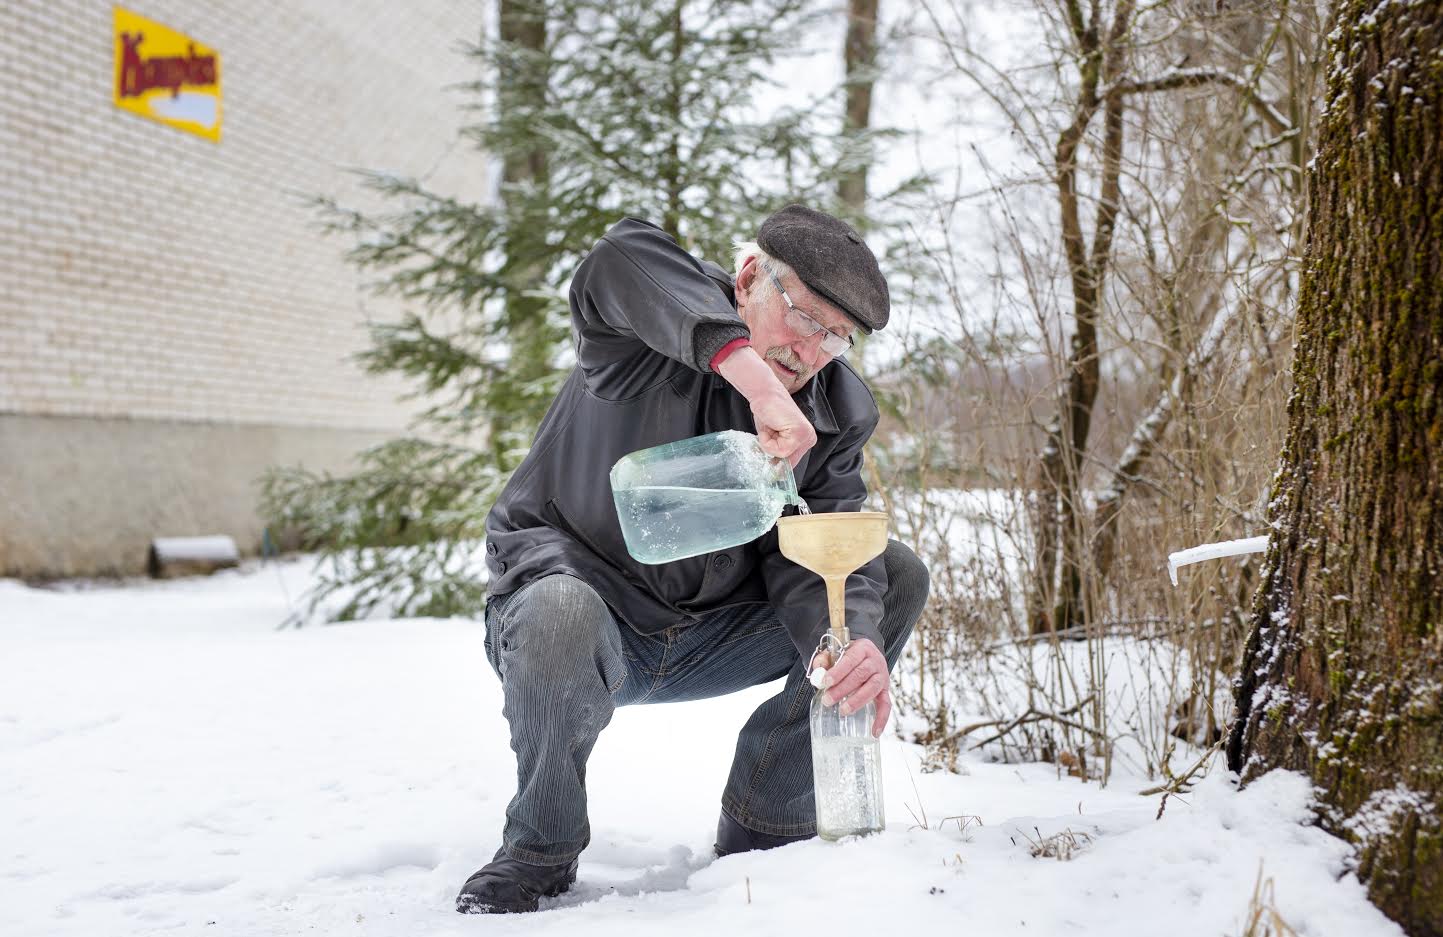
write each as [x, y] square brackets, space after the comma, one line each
[748, 820]
[659, 675]
[751, 634]
[510, 602]
[766, 757]
[538, 858]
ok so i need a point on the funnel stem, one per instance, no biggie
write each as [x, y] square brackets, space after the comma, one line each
[836, 607]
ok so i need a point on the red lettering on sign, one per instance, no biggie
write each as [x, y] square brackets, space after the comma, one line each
[138, 75]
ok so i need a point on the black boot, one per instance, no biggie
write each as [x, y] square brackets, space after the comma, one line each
[507, 885]
[732, 837]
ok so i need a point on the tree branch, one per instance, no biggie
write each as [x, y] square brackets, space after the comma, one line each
[1030, 716]
[1192, 77]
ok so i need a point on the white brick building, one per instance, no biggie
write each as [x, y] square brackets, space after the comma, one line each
[171, 321]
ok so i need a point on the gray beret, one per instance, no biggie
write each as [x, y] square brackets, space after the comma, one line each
[831, 259]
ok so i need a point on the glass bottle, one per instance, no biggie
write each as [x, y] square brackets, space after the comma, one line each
[846, 769]
[699, 495]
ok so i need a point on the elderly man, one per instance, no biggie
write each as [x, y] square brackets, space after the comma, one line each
[670, 347]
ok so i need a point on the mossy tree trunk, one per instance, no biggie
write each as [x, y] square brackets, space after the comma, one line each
[1342, 677]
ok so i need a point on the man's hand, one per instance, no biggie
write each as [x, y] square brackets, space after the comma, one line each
[860, 677]
[782, 429]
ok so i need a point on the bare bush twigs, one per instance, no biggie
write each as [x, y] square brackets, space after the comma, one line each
[1060, 846]
[1129, 276]
[1030, 716]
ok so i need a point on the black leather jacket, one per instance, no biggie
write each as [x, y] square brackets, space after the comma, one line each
[647, 317]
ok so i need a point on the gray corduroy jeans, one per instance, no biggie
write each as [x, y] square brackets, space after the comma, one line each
[565, 665]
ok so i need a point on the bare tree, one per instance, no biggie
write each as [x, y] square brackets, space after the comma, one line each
[1169, 158]
[859, 56]
[521, 87]
[1101, 52]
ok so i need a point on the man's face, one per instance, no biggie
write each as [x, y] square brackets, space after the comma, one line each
[792, 356]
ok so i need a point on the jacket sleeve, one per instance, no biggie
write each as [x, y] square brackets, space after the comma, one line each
[638, 289]
[799, 595]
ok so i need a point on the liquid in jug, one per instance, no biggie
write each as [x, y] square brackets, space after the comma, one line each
[699, 495]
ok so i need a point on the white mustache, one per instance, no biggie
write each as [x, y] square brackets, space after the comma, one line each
[784, 356]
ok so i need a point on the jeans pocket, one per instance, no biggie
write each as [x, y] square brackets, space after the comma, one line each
[492, 641]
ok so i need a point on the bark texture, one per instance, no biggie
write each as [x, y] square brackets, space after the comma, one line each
[859, 56]
[521, 89]
[1342, 676]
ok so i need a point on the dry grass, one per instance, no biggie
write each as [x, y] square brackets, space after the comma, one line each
[1263, 919]
[1060, 846]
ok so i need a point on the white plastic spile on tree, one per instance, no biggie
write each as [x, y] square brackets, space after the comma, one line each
[1213, 551]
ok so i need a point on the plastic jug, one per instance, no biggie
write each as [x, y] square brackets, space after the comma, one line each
[699, 495]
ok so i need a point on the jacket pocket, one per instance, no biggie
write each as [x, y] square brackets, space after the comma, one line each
[725, 572]
[604, 556]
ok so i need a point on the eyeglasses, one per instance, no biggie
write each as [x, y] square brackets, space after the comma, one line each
[805, 326]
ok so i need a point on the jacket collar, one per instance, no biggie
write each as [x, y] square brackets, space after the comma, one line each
[815, 405]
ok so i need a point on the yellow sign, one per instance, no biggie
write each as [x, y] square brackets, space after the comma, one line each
[166, 75]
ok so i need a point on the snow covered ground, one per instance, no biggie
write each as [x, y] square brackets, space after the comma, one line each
[172, 763]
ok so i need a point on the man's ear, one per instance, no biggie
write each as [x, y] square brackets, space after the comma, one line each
[746, 281]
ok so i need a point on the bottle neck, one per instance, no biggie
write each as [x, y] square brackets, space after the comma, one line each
[785, 481]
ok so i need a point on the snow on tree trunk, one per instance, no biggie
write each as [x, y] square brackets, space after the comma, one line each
[1342, 677]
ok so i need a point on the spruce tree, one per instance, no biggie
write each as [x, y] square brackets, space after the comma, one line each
[593, 110]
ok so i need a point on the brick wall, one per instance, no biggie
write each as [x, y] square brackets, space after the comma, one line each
[167, 307]
[149, 273]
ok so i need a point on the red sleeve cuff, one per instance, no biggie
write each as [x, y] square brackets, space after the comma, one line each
[726, 351]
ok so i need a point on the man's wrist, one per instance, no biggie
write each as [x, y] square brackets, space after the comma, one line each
[726, 351]
[710, 339]
[745, 370]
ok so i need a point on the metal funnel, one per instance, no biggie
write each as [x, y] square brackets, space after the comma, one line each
[833, 546]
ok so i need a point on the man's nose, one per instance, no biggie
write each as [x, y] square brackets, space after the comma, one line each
[809, 349]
